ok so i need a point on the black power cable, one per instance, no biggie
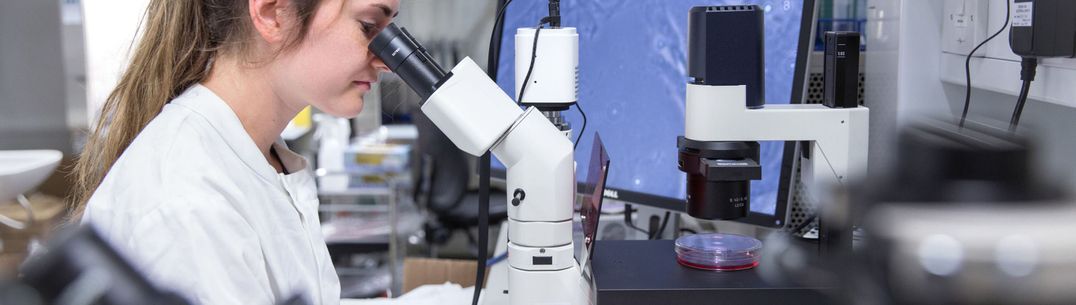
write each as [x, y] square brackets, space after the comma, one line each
[655, 224]
[967, 63]
[583, 129]
[494, 54]
[661, 230]
[1027, 75]
[628, 211]
[483, 225]
[1015, 120]
[484, 162]
[534, 55]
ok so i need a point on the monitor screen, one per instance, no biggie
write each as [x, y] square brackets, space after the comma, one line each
[632, 83]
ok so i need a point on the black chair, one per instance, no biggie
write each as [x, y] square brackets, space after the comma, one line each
[443, 187]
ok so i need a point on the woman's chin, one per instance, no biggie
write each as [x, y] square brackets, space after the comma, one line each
[349, 109]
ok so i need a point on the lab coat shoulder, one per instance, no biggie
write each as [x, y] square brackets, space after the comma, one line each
[178, 154]
[171, 201]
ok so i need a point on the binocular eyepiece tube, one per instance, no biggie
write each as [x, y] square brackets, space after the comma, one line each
[408, 59]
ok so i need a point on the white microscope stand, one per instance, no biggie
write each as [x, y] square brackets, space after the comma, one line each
[497, 282]
[477, 116]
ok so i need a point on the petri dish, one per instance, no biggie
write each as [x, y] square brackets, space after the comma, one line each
[718, 251]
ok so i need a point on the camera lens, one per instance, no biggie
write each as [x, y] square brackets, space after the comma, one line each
[719, 177]
[717, 199]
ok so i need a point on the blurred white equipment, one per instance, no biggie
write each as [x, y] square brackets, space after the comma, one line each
[21, 171]
[333, 135]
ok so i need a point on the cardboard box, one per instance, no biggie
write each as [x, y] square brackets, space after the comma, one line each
[426, 271]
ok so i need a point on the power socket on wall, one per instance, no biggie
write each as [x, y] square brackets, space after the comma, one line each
[964, 25]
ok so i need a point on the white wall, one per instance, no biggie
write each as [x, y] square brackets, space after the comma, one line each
[32, 88]
[901, 69]
[467, 23]
[110, 27]
[996, 68]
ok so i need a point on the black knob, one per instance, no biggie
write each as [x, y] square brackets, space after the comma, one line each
[518, 196]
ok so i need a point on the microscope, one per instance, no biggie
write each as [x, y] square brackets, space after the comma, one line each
[726, 114]
[477, 116]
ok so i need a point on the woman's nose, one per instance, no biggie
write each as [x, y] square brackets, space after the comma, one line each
[380, 64]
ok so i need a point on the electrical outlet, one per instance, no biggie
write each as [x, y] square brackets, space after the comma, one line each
[964, 25]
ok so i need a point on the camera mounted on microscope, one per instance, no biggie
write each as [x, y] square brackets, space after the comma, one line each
[725, 48]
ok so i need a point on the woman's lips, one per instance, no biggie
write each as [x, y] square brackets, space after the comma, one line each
[365, 86]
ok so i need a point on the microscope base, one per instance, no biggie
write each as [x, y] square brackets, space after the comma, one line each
[646, 272]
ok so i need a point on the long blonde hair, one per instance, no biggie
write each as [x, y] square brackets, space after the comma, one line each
[177, 46]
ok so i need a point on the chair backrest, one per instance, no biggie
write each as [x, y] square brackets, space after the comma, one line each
[445, 163]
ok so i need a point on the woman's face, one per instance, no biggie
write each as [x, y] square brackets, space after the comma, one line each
[332, 68]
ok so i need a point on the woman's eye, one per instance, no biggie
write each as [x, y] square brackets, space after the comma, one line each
[367, 27]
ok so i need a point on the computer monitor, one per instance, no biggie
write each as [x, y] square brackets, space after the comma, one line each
[632, 83]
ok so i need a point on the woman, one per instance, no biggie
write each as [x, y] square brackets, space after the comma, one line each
[185, 171]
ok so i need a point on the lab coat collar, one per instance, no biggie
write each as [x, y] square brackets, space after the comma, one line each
[290, 159]
[203, 101]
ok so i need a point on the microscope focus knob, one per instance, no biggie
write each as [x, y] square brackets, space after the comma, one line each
[518, 196]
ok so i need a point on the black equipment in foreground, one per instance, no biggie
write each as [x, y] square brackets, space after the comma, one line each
[80, 267]
[960, 218]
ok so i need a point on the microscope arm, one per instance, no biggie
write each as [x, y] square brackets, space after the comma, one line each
[839, 135]
[477, 116]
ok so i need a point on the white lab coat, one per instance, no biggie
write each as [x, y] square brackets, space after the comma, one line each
[195, 205]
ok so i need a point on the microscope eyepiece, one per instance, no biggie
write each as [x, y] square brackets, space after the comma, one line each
[406, 57]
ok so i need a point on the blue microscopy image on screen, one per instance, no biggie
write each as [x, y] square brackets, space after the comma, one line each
[632, 83]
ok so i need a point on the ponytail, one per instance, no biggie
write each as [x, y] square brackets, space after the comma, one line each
[173, 53]
[180, 40]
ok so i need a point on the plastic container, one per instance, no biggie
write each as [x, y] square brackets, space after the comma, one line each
[718, 252]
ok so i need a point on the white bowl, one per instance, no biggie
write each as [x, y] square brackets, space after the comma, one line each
[21, 171]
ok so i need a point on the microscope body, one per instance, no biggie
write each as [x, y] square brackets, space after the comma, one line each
[540, 180]
[725, 114]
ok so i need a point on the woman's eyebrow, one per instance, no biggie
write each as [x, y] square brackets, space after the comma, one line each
[387, 10]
